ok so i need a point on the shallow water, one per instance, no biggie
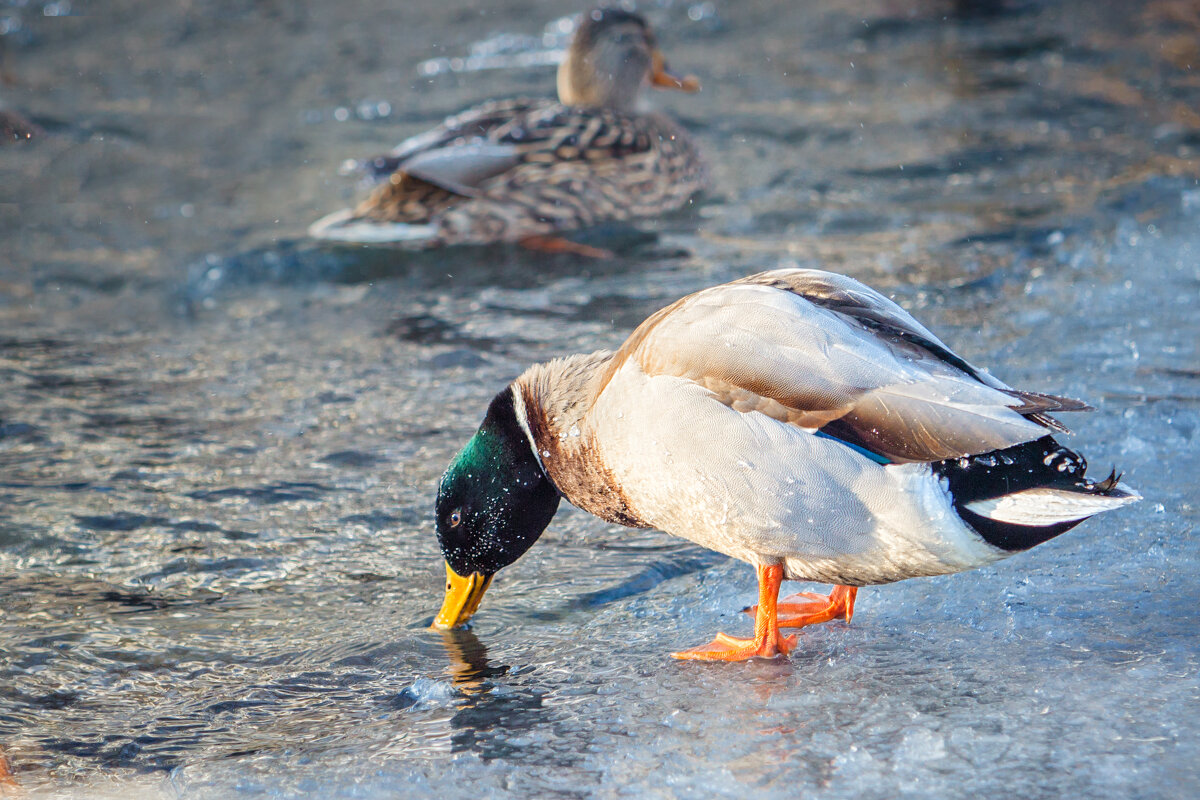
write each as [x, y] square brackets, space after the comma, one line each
[219, 444]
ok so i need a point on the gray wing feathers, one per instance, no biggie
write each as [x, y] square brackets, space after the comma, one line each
[462, 168]
[827, 350]
[846, 296]
[473, 125]
[841, 293]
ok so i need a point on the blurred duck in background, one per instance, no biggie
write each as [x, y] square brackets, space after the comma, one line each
[525, 169]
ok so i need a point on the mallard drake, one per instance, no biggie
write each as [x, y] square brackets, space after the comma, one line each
[524, 169]
[797, 420]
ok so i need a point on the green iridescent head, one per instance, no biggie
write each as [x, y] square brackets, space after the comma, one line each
[493, 503]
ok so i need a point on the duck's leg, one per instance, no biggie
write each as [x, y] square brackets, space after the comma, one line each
[557, 244]
[809, 608]
[8, 784]
[767, 641]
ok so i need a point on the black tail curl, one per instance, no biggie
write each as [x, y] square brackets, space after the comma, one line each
[1042, 463]
[1108, 484]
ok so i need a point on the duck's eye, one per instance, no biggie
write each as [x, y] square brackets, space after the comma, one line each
[455, 518]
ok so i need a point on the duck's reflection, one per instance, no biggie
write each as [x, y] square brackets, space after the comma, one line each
[496, 716]
[470, 671]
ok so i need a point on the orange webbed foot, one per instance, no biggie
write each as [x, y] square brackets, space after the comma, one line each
[732, 648]
[8, 784]
[767, 641]
[557, 244]
[809, 608]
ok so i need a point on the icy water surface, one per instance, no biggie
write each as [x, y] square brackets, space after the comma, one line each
[219, 445]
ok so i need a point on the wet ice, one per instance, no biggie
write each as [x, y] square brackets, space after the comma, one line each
[220, 446]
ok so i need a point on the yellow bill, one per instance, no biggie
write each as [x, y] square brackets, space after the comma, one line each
[463, 596]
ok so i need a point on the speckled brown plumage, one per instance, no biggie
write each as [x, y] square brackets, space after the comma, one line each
[512, 169]
[554, 398]
[573, 168]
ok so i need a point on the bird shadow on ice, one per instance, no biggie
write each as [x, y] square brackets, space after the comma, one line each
[299, 262]
[496, 718]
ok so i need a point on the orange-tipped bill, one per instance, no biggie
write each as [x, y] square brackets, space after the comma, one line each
[463, 596]
[663, 78]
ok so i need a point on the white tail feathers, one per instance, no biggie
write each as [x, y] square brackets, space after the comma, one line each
[1044, 507]
[343, 226]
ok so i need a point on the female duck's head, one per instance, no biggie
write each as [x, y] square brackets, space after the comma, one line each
[612, 55]
[493, 503]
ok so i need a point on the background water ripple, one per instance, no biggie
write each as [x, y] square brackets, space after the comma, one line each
[219, 443]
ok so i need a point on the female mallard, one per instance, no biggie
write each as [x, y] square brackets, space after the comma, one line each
[797, 420]
[521, 170]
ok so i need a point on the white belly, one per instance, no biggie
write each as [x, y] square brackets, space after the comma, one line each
[765, 492]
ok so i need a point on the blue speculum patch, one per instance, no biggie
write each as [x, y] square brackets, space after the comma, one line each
[878, 459]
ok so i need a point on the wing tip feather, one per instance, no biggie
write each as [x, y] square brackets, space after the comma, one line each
[344, 226]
